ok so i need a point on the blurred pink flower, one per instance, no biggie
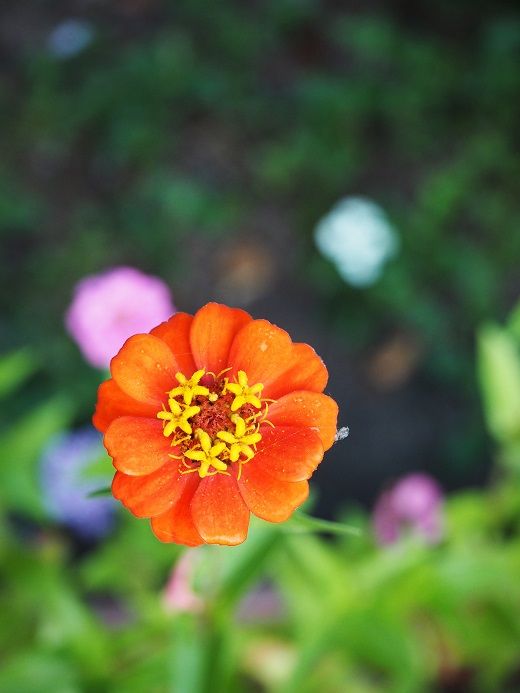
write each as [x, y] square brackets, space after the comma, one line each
[179, 594]
[413, 505]
[108, 308]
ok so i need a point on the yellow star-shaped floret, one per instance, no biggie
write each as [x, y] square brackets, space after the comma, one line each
[243, 393]
[241, 441]
[177, 417]
[188, 389]
[208, 455]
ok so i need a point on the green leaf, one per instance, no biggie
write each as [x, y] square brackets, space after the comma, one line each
[107, 491]
[20, 448]
[38, 672]
[234, 569]
[499, 373]
[100, 469]
[134, 572]
[514, 322]
[15, 368]
[300, 522]
[188, 662]
[242, 564]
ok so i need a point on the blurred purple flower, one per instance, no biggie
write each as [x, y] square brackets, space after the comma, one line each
[108, 308]
[179, 594]
[67, 482]
[413, 505]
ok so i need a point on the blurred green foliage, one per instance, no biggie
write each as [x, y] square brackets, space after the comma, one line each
[357, 618]
[177, 120]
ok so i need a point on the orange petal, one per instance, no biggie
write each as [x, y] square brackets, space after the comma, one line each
[145, 369]
[212, 332]
[263, 351]
[113, 402]
[311, 409]
[137, 445]
[151, 494]
[219, 512]
[176, 333]
[269, 498]
[306, 371]
[176, 525]
[288, 453]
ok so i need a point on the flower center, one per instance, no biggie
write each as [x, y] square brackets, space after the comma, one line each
[213, 422]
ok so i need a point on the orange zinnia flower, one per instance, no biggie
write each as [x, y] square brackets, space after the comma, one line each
[210, 418]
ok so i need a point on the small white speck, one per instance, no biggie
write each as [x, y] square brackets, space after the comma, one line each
[342, 433]
[263, 346]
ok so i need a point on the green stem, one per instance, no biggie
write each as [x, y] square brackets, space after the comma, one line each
[306, 523]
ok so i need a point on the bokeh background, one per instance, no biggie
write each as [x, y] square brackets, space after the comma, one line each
[207, 145]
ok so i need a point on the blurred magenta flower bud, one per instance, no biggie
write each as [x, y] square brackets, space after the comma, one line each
[69, 474]
[179, 594]
[109, 308]
[414, 505]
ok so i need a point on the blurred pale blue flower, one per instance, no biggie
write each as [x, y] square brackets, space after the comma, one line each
[69, 38]
[358, 239]
[69, 476]
[412, 506]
